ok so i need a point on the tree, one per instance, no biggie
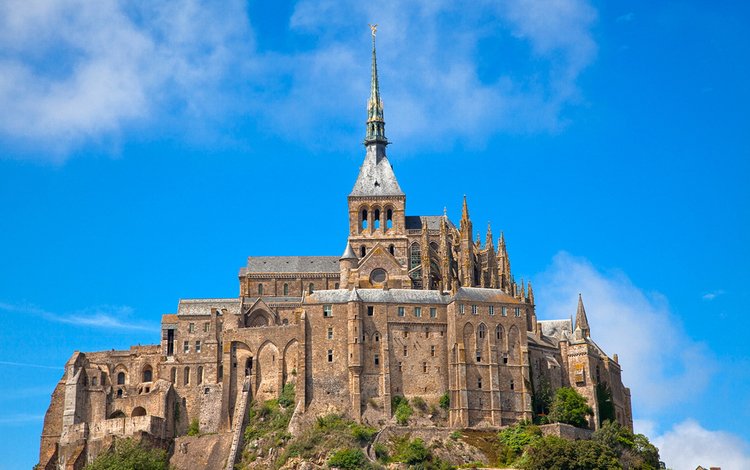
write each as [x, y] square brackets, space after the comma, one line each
[348, 459]
[127, 454]
[570, 407]
[635, 450]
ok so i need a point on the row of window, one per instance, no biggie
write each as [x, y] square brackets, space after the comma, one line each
[479, 384]
[285, 288]
[417, 311]
[376, 219]
[490, 310]
[186, 346]
[206, 327]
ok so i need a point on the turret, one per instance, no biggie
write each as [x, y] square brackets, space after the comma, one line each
[582, 322]
[347, 262]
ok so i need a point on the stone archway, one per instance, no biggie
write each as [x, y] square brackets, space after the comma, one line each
[138, 411]
[268, 365]
[291, 362]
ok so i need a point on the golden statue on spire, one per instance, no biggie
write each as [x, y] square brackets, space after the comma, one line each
[374, 28]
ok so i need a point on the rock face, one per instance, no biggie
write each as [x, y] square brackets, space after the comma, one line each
[207, 452]
[414, 307]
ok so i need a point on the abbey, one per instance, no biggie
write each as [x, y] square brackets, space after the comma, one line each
[413, 307]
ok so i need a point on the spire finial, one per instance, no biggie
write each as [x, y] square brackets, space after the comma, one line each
[375, 121]
[582, 322]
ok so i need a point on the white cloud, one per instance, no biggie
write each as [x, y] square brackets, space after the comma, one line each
[688, 444]
[712, 295]
[662, 365]
[74, 72]
[116, 318]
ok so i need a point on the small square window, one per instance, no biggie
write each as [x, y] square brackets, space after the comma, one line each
[330, 355]
[492, 309]
[370, 310]
[198, 346]
[479, 356]
[512, 385]
[206, 327]
[479, 383]
[474, 309]
[186, 346]
[191, 328]
[377, 359]
[418, 312]
[330, 333]
[432, 351]
[424, 367]
[405, 351]
[504, 311]
[401, 311]
[433, 312]
[327, 311]
[461, 309]
[518, 312]
[400, 367]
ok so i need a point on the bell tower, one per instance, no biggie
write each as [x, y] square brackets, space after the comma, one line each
[377, 204]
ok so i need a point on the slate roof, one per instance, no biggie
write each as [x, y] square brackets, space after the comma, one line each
[376, 176]
[557, 329]
[415, 222]
[481, 294]
[291, 264]
[403, 296]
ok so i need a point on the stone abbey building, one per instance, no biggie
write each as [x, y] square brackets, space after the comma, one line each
[414, 307]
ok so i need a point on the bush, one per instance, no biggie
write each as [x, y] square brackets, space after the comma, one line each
[403, 413]
[129, 454]
[287, 395]
[364, 434]
[445, 401]
[348, 459]
[570, 407]
[456, 435]
[554, 452]
[410, 451]
[397, 400]
[512, 441]
[194, 428]
[634, 450]
[381, 452]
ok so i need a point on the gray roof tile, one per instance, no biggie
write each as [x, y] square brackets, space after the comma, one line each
[376, 177]
[292, 264]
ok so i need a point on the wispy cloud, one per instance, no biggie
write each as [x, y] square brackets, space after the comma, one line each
[662, 365]
[626, 18]
[712, 295]
[21, 418]
[111, 317]
[26, 364]
[75, 72]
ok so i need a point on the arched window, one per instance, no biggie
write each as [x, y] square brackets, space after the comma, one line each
[310, 288]
[481, 331]
[249, 366]
[389, 218]
[260, 289]
[186, 376]
[121, 378]
[200, 375]
[286, 289]
[376, 219]
[363, 220]
[415, 256]
[148, 374]
[119, 393]
[376, 337]
[392, 250]
[173, 375]
[138, 411]
[362, 251]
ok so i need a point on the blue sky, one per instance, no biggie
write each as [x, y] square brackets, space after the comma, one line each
[146, 150]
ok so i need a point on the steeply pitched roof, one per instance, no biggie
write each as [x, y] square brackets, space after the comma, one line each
[481, 294]
[376, 177]
[405, 296]
[291, 264]
[415, 222]
[204, 306]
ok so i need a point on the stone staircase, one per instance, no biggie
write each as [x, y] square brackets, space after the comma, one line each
[240, 417]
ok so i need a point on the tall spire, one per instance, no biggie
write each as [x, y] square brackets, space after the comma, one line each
[582, 322]
[375, 121]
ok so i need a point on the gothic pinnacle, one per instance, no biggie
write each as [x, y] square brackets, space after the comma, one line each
[375, 120]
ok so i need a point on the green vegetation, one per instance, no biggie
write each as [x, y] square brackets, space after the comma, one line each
[514, 440]
[194, 428]
[267, 425]
[414, 453]
[634, 450]
[555, 452]
[419, 403]
[287, 395]
[329, 432]
[604, 400]
[445, 401]
[403, 410]
[541, 401]
[570, 407]
[348, 459]
[127, 454]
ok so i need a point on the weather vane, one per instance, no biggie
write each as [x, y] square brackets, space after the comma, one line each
[374, 28]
